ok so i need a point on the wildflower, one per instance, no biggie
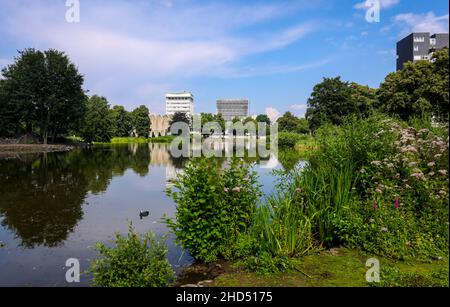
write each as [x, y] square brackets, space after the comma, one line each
[375, 206]
[418, 176]
[442, 193]
[424, 131]
[363, 171]
[384, 229]
[443, 172]
[431, 164]
[390, 165]
[412, 164]
[438, 156]
[372, 220]
[431, 174]
[298, 190]
[226, 190]
[396, 203]
[397, 176]
[407, 186]
[376, 163]
[378, 191]
[237, 189]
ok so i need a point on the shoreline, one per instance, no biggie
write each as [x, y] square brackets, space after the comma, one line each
[13, 150]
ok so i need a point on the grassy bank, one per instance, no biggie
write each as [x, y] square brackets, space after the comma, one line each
[343, 267]
[139, 140]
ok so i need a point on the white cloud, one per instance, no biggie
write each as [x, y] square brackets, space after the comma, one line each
[422, 22]
[272, 113]
[122, 48]
[384, 4]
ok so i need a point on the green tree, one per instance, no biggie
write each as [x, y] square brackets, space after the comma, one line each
[179, 117]
[333, 99]
[290, 123]
[9, 118]
[420, 89]
[122, 122]
[97, 123]
[45, 91]
[263, 118]
[141, 121]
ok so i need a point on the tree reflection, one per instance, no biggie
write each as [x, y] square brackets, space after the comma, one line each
[42, 196]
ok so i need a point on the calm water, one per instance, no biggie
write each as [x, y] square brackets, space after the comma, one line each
[57, 206]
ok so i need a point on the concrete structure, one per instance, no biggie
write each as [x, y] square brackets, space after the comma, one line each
[231, 108]
[159, 125]
[419, 46]
[180, 102]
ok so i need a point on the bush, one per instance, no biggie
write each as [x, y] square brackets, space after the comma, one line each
[214, 206]
[288, 139]
[132, 262]
[398, 203]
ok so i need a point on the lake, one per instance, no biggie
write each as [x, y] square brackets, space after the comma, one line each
[56, 206]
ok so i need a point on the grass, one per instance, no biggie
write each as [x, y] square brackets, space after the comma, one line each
[138, 140]
[343, 268]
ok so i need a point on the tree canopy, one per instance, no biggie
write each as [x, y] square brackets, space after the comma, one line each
[42, 92]
[141, 121]
[97, 123]
[333, 99]
[290, 123]
[419, 89]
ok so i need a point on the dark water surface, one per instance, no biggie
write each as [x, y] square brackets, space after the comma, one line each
[57, 206]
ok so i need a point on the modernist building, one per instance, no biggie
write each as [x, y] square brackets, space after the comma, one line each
[231, 108]
[180, 102]
[159, 125]
[419, 46]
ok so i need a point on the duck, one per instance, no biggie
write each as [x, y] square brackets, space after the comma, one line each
[143, 214]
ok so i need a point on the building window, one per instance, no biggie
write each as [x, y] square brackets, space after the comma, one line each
[420, 39]
[433, 41]
[416, 48]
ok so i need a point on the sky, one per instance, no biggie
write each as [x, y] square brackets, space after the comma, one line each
[270, 52]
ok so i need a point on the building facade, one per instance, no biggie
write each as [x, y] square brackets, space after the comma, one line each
[231, 108]
[159, 125]
[180, 102]
[419, 46]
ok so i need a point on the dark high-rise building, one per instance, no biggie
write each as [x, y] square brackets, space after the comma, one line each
[231, 108]
[419, 46]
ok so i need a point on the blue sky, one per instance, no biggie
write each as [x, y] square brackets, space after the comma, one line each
[271, 52]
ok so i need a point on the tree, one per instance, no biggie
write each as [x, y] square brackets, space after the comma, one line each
[420, 89]
[263, 118]
[9, 119]
[141, 121]
[122, 122]
[333, 99]
[45, 90]
[179, 117]
[97, 123]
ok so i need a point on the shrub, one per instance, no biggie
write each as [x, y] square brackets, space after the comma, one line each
[132, 262]
[288, 139]
[214, 205]
[398, 204]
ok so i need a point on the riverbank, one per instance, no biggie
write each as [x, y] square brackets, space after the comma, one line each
[12, 150]
[338, 267]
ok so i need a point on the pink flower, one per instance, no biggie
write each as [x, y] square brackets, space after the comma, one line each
[375, 206]
[226, 190]
[396, 203]
[237, 189]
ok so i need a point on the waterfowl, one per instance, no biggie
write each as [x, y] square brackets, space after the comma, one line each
[143, 214]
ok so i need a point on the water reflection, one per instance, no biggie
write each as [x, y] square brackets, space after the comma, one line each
[54, 206]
